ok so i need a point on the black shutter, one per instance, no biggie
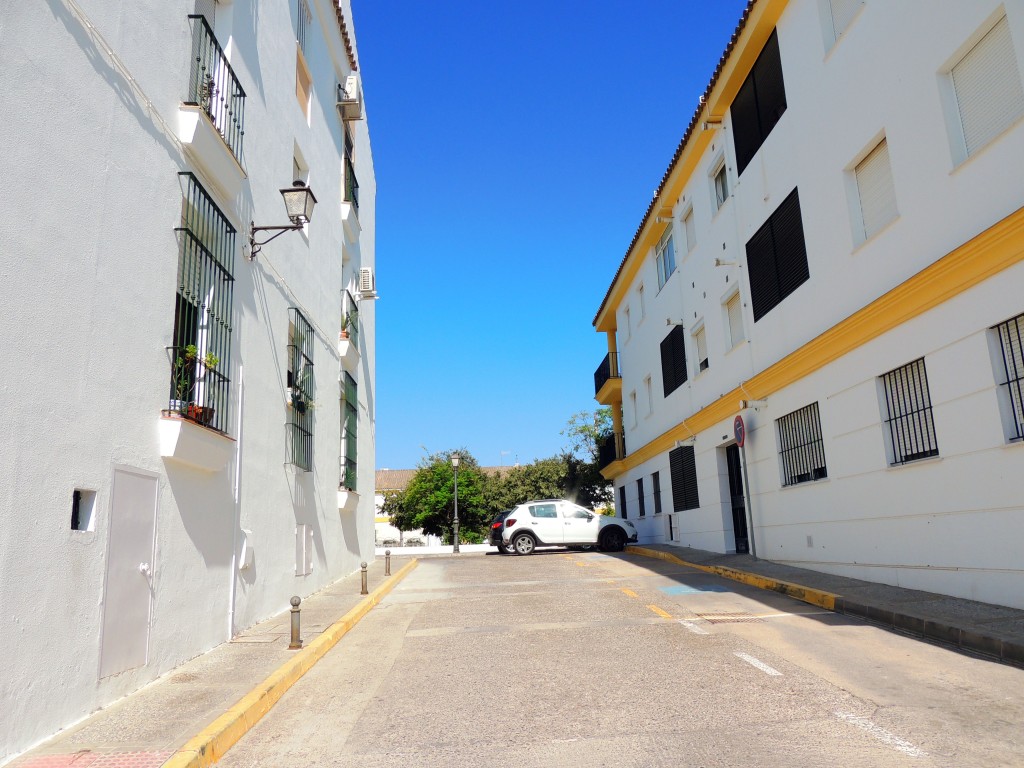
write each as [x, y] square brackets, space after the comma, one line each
[640, 497]
[622, 501]
[673, 360]
[746, 129]
[683, 466]
[777, 257]
[656, 490]
[758, 104]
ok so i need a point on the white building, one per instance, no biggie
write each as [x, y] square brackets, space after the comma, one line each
[188, 441]
[837, 243]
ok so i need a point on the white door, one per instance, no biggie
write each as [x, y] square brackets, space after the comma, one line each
[581, 526]
[127, 592]
[545, 522]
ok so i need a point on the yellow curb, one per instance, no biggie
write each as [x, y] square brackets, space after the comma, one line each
[818, 597]
[219, 736]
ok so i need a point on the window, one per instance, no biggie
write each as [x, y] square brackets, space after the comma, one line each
[721, 184]
[641, 506]
[690, 230]
[683, 467]
[303, 78]
[700, 341]
[909, 408]
[875, 190]
[351, 183]
[1011, 334]
[759, 104]
[640, 299]
[801, 449]
[656, 490]
[622, 502]
[648, 388]
[734, 313]
[665, 255]
[201, 343]
[82, 505]
[349, 433]
[544, 511]
[777, 257]
[301, 390]
[673, 360]
[987, 87]
[212, 84]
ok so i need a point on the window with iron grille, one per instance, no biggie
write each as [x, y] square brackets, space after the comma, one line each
[656, 490]
[700, 341]
[622, 502]
[1011, 342]
[350, 318]
[909, 408]
[777, 257]
[302, 390]
[351, 182]
[665, 256]
[759, 104]
[200, 351]
[349, 433]
[682, 465]
[641, 505]
[673, 360]
[801, 449]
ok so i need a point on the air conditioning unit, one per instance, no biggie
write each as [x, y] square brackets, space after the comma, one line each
[366, 284]
[350, 99]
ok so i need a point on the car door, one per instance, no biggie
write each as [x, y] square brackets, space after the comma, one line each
[580, 525]
[546, 523]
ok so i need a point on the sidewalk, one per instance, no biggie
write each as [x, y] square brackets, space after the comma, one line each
[193, 714]
[990, 630]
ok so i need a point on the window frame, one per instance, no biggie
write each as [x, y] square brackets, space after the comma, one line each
[754, 113]
[665, 246]
[301, 384]
[777, 257]
[673, 360]
[909, 414]
[801, 446]
[1010, 334]
[683, 470]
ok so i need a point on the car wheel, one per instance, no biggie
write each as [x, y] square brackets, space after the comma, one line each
[503, 549]
[614, 540]
[524, 544]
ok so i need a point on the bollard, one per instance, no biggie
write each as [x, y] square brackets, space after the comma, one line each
[365, 591]
[387, 562]
[296, 640]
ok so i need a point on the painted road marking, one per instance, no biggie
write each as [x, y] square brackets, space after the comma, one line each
[759, 664]
[660, 612]
[865, 724]
[630, 592]
[693, 627]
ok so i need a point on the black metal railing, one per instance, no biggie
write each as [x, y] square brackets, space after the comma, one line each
[608, 369]
[909, 405]
[610, 448]
[801, 447]
[350, 320]
[349, 433]
[212, 85]
[1011, 340]
[200, 351]
[302, 390]
[351, 184]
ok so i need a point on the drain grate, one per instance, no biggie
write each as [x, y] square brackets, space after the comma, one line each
[736, 617]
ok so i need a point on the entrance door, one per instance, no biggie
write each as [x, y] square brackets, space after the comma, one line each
[128, 593]
[739, 509]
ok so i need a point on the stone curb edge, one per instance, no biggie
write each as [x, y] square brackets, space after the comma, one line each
[968, 640]
[211, 744]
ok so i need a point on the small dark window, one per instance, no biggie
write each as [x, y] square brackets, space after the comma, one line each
[909, 405]
[82, 505]
[777, 257]
[656, 490]
[801, 448]
[673, 360]
[622, 502]
[640, 497]
[759, 104]
[1011, 343]
[683, 466]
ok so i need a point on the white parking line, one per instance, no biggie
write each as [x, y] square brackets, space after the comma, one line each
[693, 627]
[882, 735]
[759, 664]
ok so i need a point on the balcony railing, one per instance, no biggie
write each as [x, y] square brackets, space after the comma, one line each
[609, 449]
[351, 184]
[212, 85]
[351, 318]
[608, 369]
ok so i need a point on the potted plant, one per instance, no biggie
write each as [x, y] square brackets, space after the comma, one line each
[186, 380]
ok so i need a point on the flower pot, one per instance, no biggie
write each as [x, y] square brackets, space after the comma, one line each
[199, 413]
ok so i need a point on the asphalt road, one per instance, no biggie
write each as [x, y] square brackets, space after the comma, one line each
[585, 659]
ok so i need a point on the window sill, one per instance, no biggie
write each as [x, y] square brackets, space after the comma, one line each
[915, 462]
[347, 500]
[193, 445]
[804, 483]
[206, 147]
[350, 220]
[348, 351]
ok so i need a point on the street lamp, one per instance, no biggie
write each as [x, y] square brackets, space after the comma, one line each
[455, 526]
[298, 202]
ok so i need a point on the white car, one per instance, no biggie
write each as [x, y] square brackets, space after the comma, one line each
[560, 523]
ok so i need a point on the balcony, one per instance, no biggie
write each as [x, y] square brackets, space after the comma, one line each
[608, 380]
[609, 450]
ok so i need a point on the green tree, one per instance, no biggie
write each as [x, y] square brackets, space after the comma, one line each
[586, 430]
[559, 477]
[429, 500]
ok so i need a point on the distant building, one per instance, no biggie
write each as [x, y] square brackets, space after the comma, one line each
[188, 438]
[834, 257]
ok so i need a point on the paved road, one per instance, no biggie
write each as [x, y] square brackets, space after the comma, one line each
[585, 659]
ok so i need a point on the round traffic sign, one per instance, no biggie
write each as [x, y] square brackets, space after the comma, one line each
[739, 430]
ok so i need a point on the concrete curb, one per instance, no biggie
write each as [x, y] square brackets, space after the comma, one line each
[966, 639]
[218, 737]
[818, 597]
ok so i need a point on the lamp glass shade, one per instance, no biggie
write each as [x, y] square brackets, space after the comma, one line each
[299, 202]
[455, 460]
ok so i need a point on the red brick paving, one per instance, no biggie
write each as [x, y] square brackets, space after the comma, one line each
[96, 760]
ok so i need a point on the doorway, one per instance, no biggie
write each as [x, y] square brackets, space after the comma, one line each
[739, 508]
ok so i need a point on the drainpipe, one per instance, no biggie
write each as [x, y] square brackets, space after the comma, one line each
[236, 521]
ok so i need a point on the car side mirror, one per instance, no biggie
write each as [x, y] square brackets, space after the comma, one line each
[590, 516]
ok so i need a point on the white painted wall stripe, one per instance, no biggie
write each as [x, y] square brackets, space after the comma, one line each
[759, 664]
[865, 724]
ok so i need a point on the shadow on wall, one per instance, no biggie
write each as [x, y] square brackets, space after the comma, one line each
[207, 510]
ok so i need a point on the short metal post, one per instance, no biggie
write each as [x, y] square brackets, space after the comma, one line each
[387, 562]
[365, 591]
[296, 640]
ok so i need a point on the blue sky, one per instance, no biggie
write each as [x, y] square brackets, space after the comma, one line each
[516, 147]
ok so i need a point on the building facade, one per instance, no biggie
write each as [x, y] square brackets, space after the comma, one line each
[190, 442]
[814, 338]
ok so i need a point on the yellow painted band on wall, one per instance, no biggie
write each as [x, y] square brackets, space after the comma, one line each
[213, 742]
[818, 597]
